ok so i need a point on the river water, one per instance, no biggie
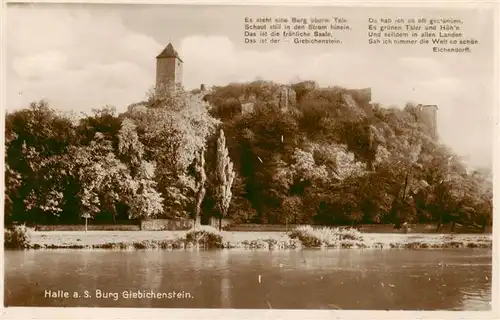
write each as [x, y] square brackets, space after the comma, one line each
[310, 279]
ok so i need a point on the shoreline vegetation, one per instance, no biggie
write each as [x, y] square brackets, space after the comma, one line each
[245, 153]
[205, 237]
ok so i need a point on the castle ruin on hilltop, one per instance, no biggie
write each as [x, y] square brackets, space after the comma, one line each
[169, 75]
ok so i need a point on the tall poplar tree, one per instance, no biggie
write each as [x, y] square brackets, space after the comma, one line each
[224, 177]
[201, 178]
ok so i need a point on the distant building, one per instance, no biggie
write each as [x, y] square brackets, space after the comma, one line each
[428, 115]
[168, 70]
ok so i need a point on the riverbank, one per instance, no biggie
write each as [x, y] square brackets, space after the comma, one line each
[130, 240]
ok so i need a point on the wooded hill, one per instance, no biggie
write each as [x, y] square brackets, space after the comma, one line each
[329, 157]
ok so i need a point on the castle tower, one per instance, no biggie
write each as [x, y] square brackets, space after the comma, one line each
[287, 97]
[283, 102]
[168, 70]
[366, 94]
[428, 115]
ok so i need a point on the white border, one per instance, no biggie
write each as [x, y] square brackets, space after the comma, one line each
[347, 3]
[132, 313]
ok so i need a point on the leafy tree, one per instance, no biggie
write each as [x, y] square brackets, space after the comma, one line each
[103, 121]
[37, 139]
[144, 201]
[173, 129]
[104, 179]
[291, 209]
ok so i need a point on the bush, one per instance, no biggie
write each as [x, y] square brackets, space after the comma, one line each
[306, 235]
[327, 237]
[16, 237]
[256, 244]
[349, 234]
[205, 236]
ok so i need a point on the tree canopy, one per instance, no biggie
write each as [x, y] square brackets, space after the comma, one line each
[327, 158]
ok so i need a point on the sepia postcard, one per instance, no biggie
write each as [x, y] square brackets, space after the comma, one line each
[256, 161]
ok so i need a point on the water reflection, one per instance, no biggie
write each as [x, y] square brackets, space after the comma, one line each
[225, 284]
[336, 279]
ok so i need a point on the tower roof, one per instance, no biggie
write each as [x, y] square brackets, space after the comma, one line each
[169, 52]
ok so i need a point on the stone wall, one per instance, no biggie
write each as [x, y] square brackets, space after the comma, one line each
[90, 227]
[369, 228]
[166, 224]
[214, 222]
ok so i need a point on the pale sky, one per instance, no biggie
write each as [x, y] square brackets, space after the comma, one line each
[80, 57]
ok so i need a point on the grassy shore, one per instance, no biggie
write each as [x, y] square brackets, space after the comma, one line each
[211, 238]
